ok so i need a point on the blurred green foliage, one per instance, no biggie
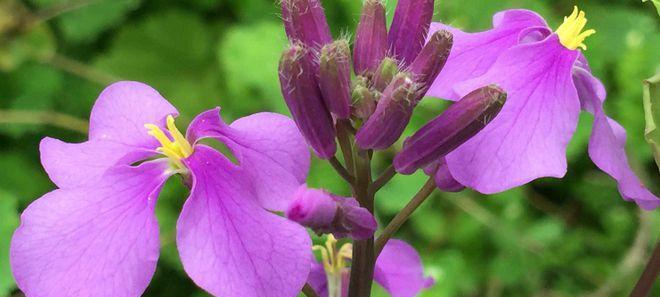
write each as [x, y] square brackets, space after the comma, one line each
[569, 237]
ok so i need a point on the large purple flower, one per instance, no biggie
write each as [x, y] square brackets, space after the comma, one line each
[547, 80]
[398, 270]
[96, 235]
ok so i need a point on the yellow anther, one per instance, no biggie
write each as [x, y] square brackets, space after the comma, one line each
[570, 32]
[334, 263]
[176, 149]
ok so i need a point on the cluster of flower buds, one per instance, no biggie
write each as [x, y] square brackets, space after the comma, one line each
[389, 74]
[327, 213]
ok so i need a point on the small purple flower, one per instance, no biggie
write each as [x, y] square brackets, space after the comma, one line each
[97, 235]
[547, 80]
[398, 270]
[327, 213]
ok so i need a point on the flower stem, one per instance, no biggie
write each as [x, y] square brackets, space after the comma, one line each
[344, 138]
[404, 214]
[343, 172]
[650, 274]
[383, 179]
[362, 268]
[52, 118]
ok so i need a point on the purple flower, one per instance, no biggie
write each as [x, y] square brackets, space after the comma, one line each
[547, 81]
[327, 213]
[97, 235]
[398, 270]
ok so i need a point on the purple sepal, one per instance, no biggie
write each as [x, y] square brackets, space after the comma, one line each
[431, 59]
[371, 37]
[392, 115]
[412, 19]
[443, 178]
[304, 21]
[335, 78]
[456, 125]
[303, 97]
[327, 213]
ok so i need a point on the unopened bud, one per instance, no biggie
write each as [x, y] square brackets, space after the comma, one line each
[371, 37]
[304, 21]
[412, 19]
[392, 114]
[444, 180]
[326, 213]
[364, 102]
[428, 64]
[460, 122]
[335, 78]
[303, 97]
[387, 69]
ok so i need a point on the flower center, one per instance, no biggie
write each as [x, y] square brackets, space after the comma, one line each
[176, 149]
[570, 32]
[334, 263]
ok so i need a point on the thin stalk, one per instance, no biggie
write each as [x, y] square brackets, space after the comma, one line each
[383, 179]
[344, 138]
[404, 214]
[650, 274]
[52, 118]
[309, 291]
[362, 268]
[341, 170]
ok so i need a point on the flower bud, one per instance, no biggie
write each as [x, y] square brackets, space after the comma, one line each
[303, 97]
[364, 99]
[428, 64]
[327, 213]
[386, 71]
[335, 78]
[412, 19]
[444, 180]
[392, 114]
[371, 37]
[304, 21]
[456, 125]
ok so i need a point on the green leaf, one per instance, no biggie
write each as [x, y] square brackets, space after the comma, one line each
[656, 3]
[8, 223]
[170, 51]
[85, 22]
[249, 57]
[651, 99]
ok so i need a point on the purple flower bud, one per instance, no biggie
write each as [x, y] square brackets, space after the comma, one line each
[456, 125]
[443, 178]
[303, 97]
[412, 19]
[304, 21]
[371, 37]
[386, 71]
[335, 78]
[392, 114]
[431, 59]
[327, 213]
[364, 99]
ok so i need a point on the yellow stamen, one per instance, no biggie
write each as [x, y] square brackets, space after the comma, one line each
[334, 263]
[570, 32]
[176, 149]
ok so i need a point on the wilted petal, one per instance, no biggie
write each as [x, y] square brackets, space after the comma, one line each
[528, 138]
[121, 111]
[96, 241]
[473, 53]
[400, 271]
[608, 141]
[269, 148]
[229, 244]
[77, 164]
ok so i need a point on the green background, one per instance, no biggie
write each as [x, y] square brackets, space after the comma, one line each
[568, 237]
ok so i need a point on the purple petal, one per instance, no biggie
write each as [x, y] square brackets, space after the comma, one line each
[229, 245]
[269, 148]
[99, 241]
[608, 141]
[77, 164]
[400, 271]
[528, 138]
[121, 111]
[473, 53]
[318, 280]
